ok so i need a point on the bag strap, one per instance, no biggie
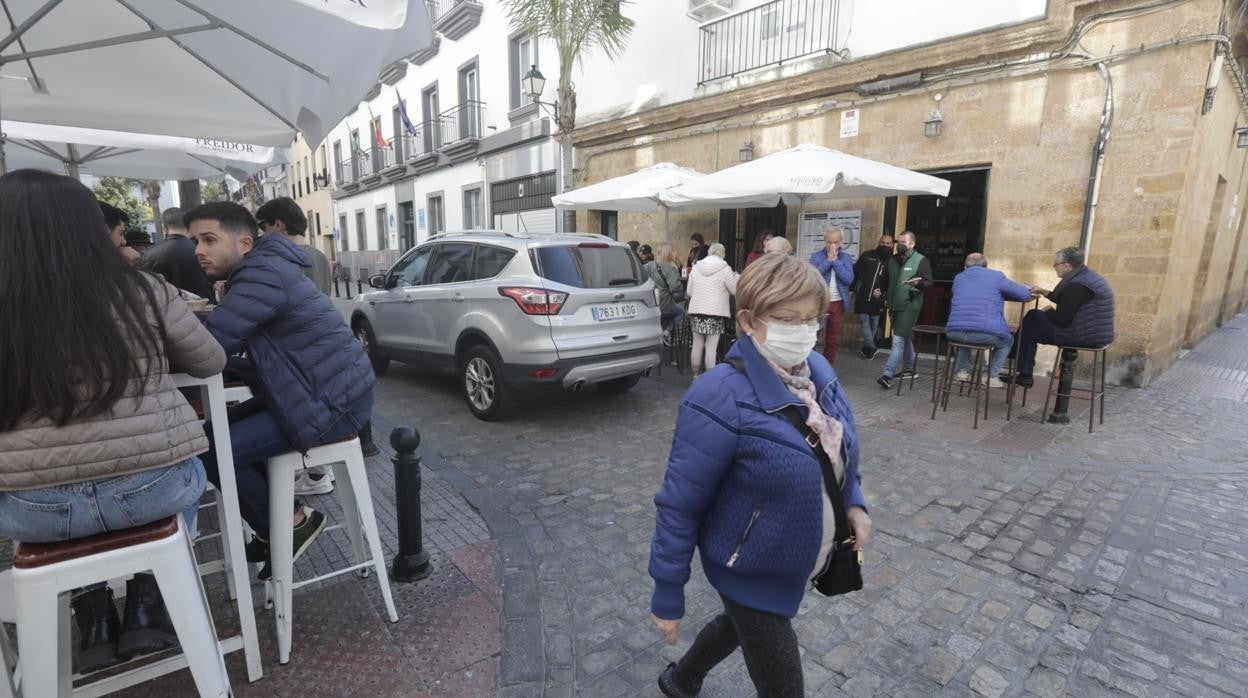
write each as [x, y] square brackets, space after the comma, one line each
[830, 484]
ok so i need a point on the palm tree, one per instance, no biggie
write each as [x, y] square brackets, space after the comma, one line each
[576, 27]
[151, 189]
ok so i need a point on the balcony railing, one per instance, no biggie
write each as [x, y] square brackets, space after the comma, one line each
[462, 122]
[454, 18]
[767, 35]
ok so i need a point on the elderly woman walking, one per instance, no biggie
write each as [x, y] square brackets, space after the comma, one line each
[711, 283]
[763, 480]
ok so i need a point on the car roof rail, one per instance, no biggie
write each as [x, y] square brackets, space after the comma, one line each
[487, 233]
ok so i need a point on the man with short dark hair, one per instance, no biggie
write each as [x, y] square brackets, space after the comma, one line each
[117, 220]
[909, 277]
[283, 215]
[311, 380]
[870, 284]
[1084, 316]
[174, 257]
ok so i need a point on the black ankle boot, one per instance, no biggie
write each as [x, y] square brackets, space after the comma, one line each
[97, 629]
[147, 627]
[667, 684]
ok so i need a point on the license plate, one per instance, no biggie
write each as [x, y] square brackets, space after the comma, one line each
[616, 311]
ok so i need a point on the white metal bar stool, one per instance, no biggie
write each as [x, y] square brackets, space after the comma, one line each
[351, 484]
[44, 574]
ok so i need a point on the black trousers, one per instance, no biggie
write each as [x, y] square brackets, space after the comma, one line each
[766, 640]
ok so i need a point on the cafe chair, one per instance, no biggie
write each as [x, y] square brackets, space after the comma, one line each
[1093, 392]
[44, 574]
[351, 486]
[977, 387]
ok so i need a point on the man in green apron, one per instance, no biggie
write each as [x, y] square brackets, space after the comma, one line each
[909, 275]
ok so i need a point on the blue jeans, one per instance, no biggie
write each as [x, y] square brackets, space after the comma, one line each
[1037, 329]
[894, 355]
[256, 436]
[1000, 350]
[64, 512]
[870, 324]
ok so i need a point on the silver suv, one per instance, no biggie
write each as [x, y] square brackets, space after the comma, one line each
[512, 312]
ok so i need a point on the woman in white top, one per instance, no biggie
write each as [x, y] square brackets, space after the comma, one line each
[711, 283]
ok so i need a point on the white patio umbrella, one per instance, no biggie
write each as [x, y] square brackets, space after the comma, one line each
[797, 175]
[141, 156]
[638, 192]
[219, 70]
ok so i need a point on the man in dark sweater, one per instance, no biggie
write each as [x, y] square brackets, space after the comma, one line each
[174, 257]
[1084, 316]
[868, 289]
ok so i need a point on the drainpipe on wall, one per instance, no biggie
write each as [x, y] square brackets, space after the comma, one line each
[1098, 163]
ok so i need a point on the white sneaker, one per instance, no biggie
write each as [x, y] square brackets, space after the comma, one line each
[306, 483]
[962, 376]
[995, 382]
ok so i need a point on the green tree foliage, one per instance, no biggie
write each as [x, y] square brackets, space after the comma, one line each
[119, 191]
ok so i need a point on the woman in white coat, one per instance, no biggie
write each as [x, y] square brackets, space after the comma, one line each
[711, 283]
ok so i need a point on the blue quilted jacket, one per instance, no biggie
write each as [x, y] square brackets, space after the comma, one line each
[842, 267]
[745, 489]
[979, 296]
[308, 366]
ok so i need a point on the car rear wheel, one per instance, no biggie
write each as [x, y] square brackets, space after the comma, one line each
[620, 385]
[364, 335]
[486, 394]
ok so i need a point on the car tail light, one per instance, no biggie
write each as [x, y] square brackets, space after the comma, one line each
[542, 372]
[536, 301]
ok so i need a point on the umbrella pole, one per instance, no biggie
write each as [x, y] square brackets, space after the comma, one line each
[666, 222]
[3, 165]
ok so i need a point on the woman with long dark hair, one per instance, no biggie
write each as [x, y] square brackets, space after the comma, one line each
[94, 436]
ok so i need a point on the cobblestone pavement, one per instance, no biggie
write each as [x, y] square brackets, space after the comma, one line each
[1016, 559]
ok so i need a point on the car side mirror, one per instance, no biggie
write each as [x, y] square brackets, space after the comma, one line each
[377, 281]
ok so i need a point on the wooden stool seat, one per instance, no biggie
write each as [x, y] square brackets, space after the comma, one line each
[344, 439]
[32, 555]
[1092, 393]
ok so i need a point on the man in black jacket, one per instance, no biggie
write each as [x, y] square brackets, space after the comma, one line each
[174, 257]
[870, 285]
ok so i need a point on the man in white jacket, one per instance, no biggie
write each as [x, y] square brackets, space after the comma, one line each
[711, 283]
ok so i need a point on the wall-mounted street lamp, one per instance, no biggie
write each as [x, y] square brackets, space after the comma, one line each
[746, 153]
[533, 84]
[932, 126]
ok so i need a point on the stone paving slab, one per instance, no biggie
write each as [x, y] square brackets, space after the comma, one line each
[1019, 558]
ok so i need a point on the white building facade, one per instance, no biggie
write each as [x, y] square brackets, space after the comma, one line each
[473, 152]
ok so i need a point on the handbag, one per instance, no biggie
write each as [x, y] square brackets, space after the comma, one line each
[842, 571]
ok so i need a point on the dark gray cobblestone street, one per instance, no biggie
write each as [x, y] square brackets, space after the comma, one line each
[1016, 559]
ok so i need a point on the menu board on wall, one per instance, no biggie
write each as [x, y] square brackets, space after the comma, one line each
[815, 225]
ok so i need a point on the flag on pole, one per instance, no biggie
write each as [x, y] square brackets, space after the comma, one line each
[407, 122]
[375, 126]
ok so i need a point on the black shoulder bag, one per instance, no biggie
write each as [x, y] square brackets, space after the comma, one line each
[842, 571]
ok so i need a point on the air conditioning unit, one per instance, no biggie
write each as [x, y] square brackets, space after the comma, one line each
[707, 10]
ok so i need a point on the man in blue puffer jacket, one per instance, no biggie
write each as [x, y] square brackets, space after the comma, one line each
[977, 315]
[312, 381]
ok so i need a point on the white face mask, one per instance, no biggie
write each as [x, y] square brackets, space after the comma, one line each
[788, 345]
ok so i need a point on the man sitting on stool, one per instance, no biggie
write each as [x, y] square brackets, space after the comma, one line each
[977, 315]
[1084, 316]
[312, 382]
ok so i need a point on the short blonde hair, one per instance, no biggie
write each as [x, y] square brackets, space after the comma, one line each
[718, 250]
[779, 244]
[775, 279]
[664, 252]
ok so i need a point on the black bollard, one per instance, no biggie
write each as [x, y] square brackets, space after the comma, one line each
[1065, 380]
[412, 562]
[359, 287]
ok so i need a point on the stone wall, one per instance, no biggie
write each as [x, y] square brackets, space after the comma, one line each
[1035, 130]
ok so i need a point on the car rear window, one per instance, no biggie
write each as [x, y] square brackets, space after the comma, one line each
[589, 265]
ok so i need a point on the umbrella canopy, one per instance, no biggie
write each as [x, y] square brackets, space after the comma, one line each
[637, 192]
[141, 156]
[250, 72]
[800, 174]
